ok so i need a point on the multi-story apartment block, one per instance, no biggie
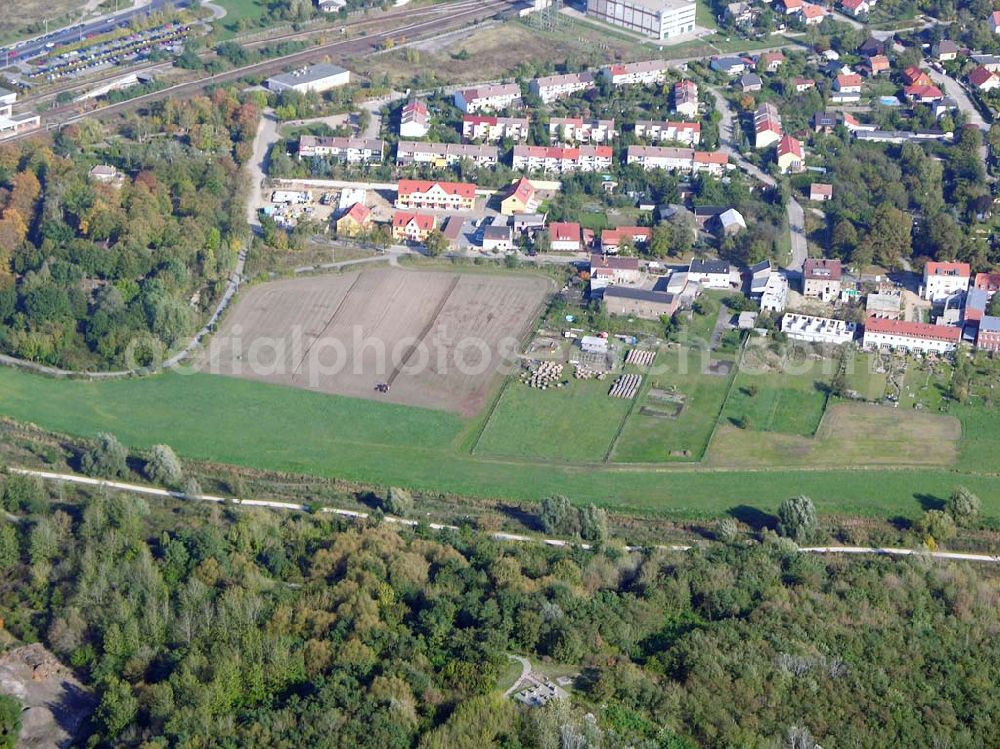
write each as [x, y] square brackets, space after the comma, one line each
[561, 160]
[631, 73]
[579, 130]
[491, 98]
[491, 129]
[682, 132]
[552, 87]
[436, 196]
[444, 154]
[352, 150]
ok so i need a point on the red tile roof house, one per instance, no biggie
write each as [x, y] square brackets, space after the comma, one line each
[803, 84]
[611, 239]
[942, 280]
[411, 226]
[910, 336]
[984, 79]
[564, 236]
[877, 64]
[923, 94]
[988, 282]
[454, 196]
[820, 192]
[855, 7]
[813, 14]
[914, 76]
[995, 21]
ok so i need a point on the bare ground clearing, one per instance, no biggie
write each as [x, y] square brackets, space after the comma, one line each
[438, 339]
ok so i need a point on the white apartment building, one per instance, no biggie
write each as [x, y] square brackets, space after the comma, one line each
[578, 130]
[490, 129]
[818, 329]
[660, 19]
[351, 150]
[942, 280]
[444, 154]
[683, 132]
[415, 120]
[560, 160]
[632, 73]
[495, 97]
[678, 159]
[319, 78]
[552, 87]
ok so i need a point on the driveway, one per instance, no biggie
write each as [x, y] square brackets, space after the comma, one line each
[267, 134]
[797, 229]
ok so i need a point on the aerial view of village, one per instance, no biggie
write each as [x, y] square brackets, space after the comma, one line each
[499, 373]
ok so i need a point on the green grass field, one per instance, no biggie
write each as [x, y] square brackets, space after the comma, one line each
[650, 438]
[778, 402]
[574, 423]
[862, 378]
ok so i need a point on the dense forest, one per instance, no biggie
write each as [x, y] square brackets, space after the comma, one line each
[201, 627]
[104, 273]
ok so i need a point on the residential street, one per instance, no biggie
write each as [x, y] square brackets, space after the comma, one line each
[796, 217]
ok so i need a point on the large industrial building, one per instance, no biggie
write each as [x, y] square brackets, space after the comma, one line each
[661, 19]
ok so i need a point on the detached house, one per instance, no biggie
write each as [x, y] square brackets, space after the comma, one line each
[855, 7]
[606, 271]
[942, 280]
[411, 226]
[995, 21]
[983, 79]
[876, 65]
[564, 236]
[821, 278]
[813, 15]
[914, 76]
[923, 94]
[611, 239]
[686, 99]
[945, 50]
[791, 158]
[847, 87]
[750, 82]
[521, 199]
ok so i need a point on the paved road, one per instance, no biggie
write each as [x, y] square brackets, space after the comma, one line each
[525, 670]
[797, 230]
[796, 217]
[957, 92]
[72, 478]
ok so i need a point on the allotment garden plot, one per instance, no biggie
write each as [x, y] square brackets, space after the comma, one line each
[430, 339]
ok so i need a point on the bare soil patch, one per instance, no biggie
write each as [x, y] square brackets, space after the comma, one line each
[55, 704]
[437, 339]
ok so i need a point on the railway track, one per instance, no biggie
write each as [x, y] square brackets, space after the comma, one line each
[430, 12]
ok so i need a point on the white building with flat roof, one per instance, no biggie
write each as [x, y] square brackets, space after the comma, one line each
[818, 329]
[660, 19]
[318, 78]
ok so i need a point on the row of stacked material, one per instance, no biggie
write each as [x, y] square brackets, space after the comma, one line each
[640, 357]
[547, 374]
[626, 386]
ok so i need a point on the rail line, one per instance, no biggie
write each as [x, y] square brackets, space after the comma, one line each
[444, 17]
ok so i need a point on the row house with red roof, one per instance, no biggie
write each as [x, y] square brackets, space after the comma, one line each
[561, 159]
[491, 129]
[910, 336]
[437, 196]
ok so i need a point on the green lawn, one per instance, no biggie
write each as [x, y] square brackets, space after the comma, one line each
[790, 400]
[652, 437]
[574, 423]
[240, 10]
[704, 16]
[862, 378]
[275, 428]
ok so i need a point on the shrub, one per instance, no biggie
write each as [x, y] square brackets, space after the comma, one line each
[108, 457]
[164, 467]
[398, 502]
[963, 506]
[797, 519]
